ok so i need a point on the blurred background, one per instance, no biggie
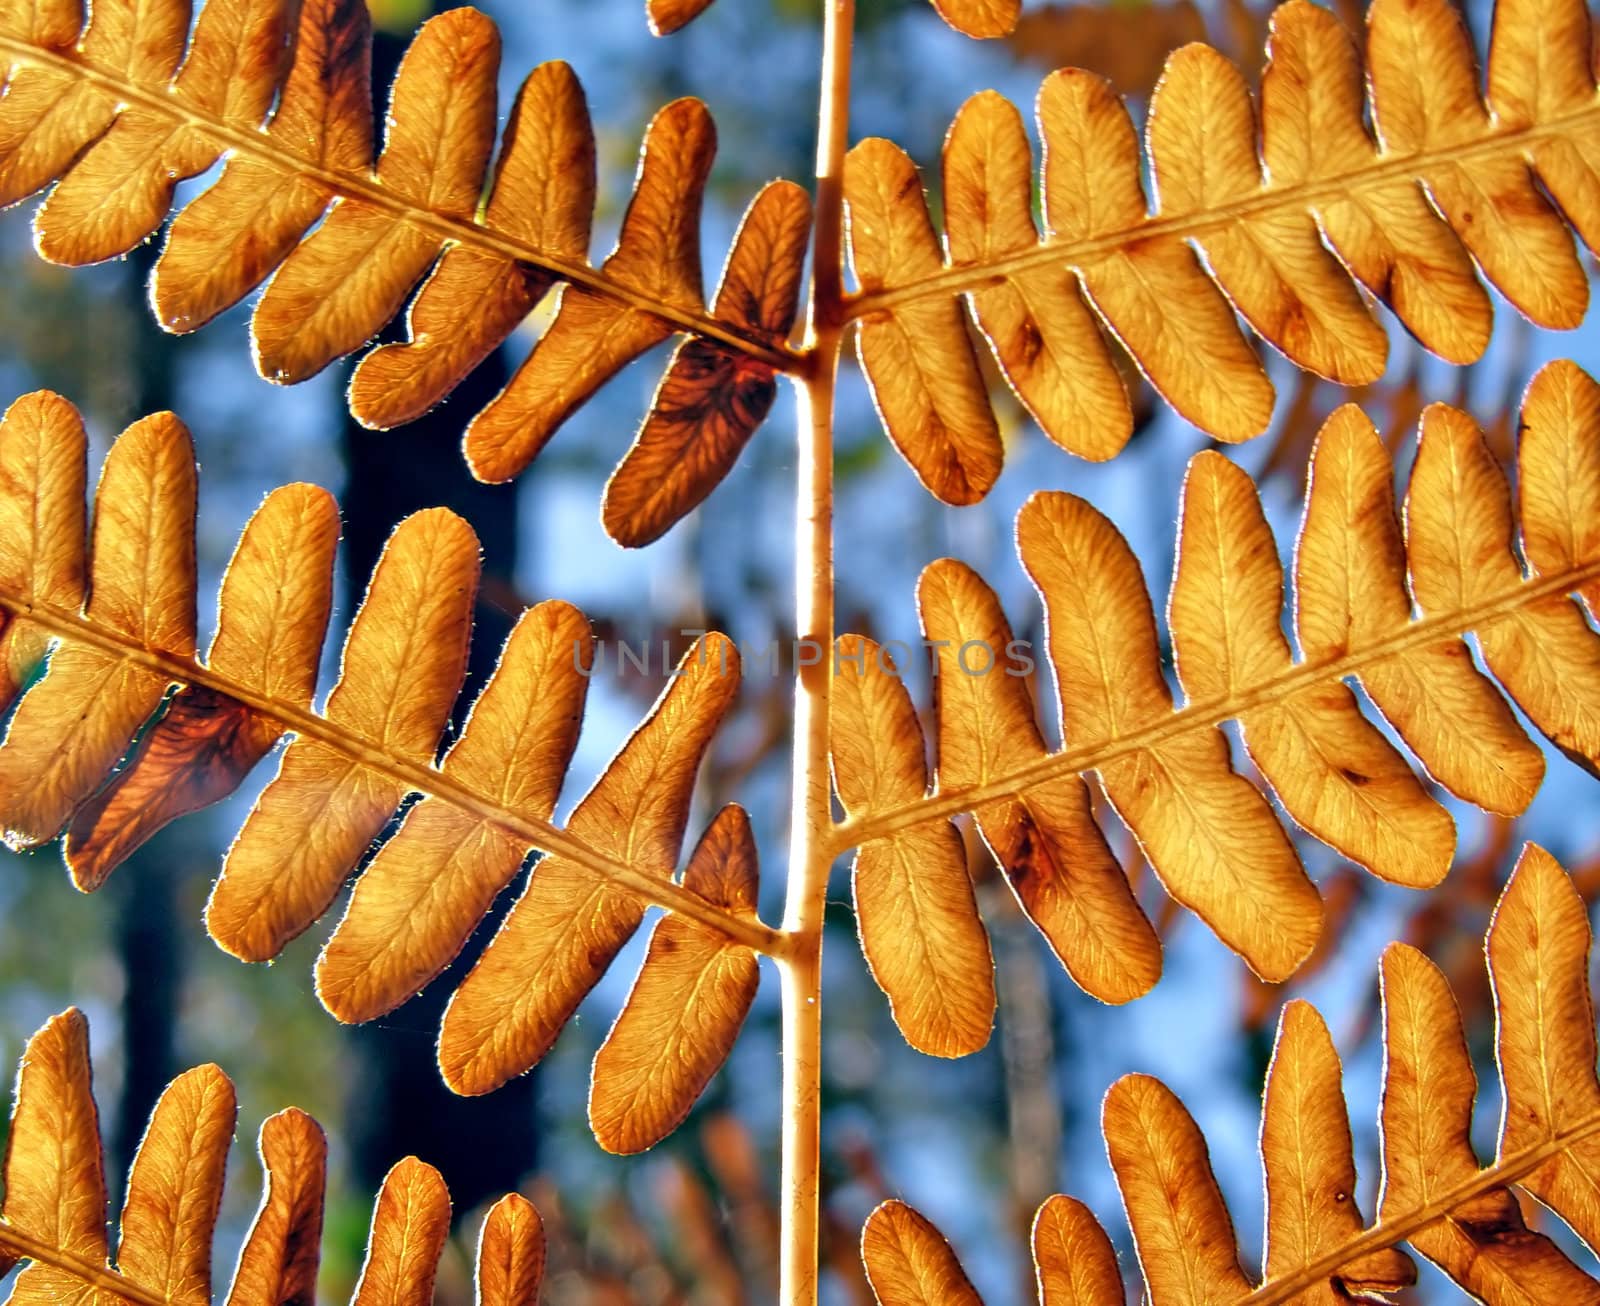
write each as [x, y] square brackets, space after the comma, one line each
[975, 1144]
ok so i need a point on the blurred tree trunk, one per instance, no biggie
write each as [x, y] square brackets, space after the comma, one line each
[150, 941]
[399, 1104]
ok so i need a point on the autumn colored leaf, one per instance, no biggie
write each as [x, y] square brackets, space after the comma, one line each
[544, 185]
[402, 668]
[1166, 770]
[43, 467]
[919, 363]
[1351, 595]
[1057, 861]
[1207, 832]
[712, 398]
[915, 908]
[1330, 768]
[566, 928]
[1043, 335]
[276, 597]
[1300, 209]
[980, 19]
[1435, 1196]
[349, 277]
[409, 1226]
[511, 1253]
[909, 1263]
[429, 885]
[76, 722]
[1073, 1259]
[145, 99]
[687, 1004]
[345, 777]
[591, 338]
[54, 1215]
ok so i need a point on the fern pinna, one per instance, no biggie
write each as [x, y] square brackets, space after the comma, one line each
[1434, 1195]
[131, 102]
[54, 1213]
[354, 763]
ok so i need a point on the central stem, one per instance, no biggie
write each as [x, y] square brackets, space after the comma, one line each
[811, 820]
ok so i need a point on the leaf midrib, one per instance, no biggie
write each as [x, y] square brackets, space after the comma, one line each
[1385, 166]
[422, 777]
[258, 145]
[1212, 712]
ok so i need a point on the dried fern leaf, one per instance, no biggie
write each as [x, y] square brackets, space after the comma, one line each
[1435, 1196]
[1043, 335]
[1558, 494]
[175, 1189]
[1073, 1259]
[1207, 832]
[919, 364]
[279, 1259]
[980, 19]
[1055, 858]
[402, 668]
[410, 1224]
[55, 1177]
[712, 398]
[915, 908]
[1210, 835]
[1180, 1226]
[1332, 770]
[350, 276]
[909, 1263]
[1459, 530]
[431, 883]
[1428, 1093]
[55, 1199]
[116, 113]
[567, 927]
[511, 1253]
[276, 596]
[686, 1006]
[544, 186]
[42, 533]
[657, 257]
[349, 767]
[1288, 229]
[70, 729]
[1352, 595]
[1305, 1129]
[1538, 950]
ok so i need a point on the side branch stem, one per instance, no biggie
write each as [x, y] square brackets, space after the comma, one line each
[811, 819]
[24, 1246]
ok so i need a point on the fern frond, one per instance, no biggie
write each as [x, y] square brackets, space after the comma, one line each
[1452, 179]
[54, 1214]
[1209, 833]
[354, 763]
[1435, 1196]
[124, 108]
